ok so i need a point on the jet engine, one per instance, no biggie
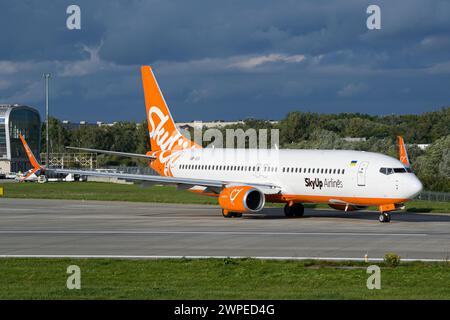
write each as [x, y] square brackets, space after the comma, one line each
[241, 199]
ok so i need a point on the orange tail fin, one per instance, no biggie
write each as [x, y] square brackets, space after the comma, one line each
[403, 154]
[31, 157]
[164, 135]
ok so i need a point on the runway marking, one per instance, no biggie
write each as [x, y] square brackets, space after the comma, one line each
[156, 257]
[125, 232]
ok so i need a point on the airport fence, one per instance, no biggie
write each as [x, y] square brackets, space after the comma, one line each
[434, 196]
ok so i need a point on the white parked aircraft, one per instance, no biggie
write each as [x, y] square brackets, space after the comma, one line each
[245, 179]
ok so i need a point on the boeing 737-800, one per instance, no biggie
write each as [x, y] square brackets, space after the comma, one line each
[245, 179]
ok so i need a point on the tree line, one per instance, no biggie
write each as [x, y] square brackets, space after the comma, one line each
[304, 130]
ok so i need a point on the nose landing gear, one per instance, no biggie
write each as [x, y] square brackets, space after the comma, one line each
[385, 217]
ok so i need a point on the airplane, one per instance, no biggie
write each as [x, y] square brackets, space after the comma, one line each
[243, 180]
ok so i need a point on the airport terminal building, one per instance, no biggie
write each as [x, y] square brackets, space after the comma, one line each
[15, 119]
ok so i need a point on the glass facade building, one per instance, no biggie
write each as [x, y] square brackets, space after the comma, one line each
[15, 120]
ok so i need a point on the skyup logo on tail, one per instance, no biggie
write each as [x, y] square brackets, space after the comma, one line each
[165, 139]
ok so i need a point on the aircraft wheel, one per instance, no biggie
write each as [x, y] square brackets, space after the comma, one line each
[238, 214]
[298, 209]
[288, 212]
[384, 217]
[227, 214]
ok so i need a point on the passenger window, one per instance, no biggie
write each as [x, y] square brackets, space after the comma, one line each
[343, 170]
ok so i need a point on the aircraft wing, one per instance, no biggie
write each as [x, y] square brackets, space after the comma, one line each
[115, 153]
[215, 185]
[265, 188]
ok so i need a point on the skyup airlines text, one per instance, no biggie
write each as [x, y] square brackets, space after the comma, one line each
[326, 183]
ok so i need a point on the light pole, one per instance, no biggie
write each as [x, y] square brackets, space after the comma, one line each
[46, 78]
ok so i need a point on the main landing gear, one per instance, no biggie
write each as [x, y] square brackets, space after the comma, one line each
[294, 210]
[229, 214]
[385, 217]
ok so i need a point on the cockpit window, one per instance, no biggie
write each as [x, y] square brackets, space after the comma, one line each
[388, 171]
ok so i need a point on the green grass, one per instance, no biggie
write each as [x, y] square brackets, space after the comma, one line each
[103, 192]
[218, 279]
[163, 194]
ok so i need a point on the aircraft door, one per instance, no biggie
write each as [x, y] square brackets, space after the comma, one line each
[362, 173]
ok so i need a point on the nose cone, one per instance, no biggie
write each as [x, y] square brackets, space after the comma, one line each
[414, 187]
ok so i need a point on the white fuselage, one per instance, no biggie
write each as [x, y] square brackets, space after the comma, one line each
[316, 175]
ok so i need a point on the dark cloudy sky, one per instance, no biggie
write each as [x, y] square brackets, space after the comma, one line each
[227, 59]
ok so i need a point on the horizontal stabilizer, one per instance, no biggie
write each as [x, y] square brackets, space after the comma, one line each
[115, 153]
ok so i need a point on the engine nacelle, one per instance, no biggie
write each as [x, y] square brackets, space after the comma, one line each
[241, 199]
[345, 207]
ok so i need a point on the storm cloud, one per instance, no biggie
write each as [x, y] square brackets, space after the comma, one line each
[228, 59]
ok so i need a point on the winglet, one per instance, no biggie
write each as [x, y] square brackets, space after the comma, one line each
[31, 157]
[403, 154]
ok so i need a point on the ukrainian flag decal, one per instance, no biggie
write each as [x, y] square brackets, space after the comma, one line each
[353, 163]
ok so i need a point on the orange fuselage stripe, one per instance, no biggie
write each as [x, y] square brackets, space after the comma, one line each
[285, 198]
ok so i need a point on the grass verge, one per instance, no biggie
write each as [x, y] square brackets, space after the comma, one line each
[24, 278]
